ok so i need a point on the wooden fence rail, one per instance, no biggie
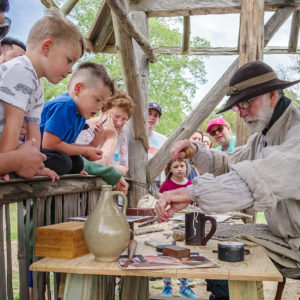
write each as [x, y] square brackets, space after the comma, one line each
[39, 203]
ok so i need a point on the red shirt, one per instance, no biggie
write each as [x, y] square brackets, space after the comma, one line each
[170, 185]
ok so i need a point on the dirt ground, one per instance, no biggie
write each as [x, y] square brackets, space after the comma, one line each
[291, 290]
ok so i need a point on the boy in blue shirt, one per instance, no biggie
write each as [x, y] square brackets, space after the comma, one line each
[64, 117]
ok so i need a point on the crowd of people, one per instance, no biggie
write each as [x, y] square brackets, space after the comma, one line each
[82, 131]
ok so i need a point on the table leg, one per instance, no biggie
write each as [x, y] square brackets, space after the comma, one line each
[245, 290]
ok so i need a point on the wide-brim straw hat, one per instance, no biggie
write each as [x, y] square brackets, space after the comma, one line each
[251, 80]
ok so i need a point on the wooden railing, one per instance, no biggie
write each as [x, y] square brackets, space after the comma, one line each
[39, 202]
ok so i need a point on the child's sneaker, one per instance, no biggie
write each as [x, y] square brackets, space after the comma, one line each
[186, 292]
[167, 291]
[190, 283]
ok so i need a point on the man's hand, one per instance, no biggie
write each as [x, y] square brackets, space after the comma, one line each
[177, 151]
[50, 173]
[29, 161]
[93, 154]
[175, 199]
[122, 185]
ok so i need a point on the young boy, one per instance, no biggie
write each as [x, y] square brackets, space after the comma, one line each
[64, 117]
[54, 44]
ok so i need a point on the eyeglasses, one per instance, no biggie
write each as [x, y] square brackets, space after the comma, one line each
[242, 105]
[4, 28]
[214, 132]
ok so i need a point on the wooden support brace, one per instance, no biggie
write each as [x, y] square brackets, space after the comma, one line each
[68, 6]
[130, 29]
[294, 34]
[186, 35]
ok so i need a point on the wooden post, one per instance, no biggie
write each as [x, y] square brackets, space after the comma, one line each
[294, 34]
[251, 45]
[186, 35]
[68, 6]
[135, 69]
[121, 13]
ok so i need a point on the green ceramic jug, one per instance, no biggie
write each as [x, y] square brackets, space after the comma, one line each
[106, 230]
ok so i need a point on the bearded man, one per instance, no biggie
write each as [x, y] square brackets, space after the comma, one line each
[264, 173]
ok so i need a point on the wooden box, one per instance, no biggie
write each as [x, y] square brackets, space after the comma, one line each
[176, 251]
[62, 240]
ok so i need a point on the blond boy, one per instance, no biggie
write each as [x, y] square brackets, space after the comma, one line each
[54, 44]
[63, 118]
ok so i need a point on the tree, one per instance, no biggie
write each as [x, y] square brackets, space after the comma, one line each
[173, 80]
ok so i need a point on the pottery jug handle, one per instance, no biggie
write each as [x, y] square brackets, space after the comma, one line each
[125, 200]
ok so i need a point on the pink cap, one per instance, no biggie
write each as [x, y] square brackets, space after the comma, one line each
[216, 121]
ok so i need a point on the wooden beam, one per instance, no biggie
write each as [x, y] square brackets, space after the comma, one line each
[49, 3]
[275, 22]
[173, 8]
[207, 51]
[294, 34]
[210, 101]
[137, 153]
[133, 81]
[68, 6]
[186, 35]
[251, 44]
[124, 19]
[101, 29]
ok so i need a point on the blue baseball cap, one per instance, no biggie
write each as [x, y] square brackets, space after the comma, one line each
[156, 106]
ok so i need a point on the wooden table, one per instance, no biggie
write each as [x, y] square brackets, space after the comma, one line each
[243, 277]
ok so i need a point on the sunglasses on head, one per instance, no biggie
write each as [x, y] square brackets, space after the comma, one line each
[4, 28]
[214, 132]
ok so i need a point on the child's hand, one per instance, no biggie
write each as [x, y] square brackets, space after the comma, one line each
[83, 173]
[50, 173]
[29, 161]
[122, 185]
[93, 154]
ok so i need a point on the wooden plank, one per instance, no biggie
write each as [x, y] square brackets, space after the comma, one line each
[68, 6]
[246, 288]
[208, 51]
[22, 189]
[294, 34]
[186, 35]
[211, 100]
[256, 266]
[121, 14]
[8, 255]
[23, 290]
[2, 257]
[172, 8]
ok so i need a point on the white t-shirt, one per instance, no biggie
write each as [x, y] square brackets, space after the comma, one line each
[155, 140]
[20, 87]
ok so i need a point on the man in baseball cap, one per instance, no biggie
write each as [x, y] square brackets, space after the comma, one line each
[220, 131]
[155, 139]
[264, 173]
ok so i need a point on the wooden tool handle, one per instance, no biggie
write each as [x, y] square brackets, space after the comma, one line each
[131, 248]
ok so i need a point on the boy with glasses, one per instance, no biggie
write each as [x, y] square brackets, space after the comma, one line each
[220, 131]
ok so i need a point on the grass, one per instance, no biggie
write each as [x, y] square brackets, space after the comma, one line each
[260, 218]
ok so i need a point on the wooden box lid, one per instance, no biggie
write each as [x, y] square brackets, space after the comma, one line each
[62, 240]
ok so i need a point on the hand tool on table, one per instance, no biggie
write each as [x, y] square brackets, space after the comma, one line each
[131, 251]
[148, 222]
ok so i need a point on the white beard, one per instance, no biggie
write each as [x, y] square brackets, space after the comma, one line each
[263, 117]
